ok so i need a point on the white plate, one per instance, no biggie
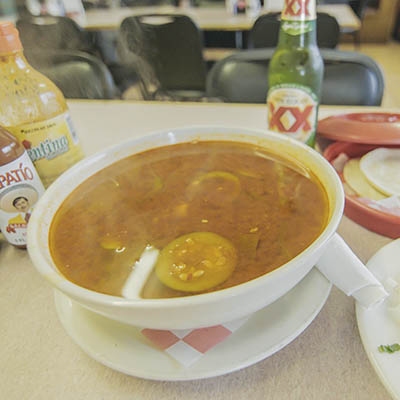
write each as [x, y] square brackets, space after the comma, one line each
[123, 348]
[377, 326]
[381, 167]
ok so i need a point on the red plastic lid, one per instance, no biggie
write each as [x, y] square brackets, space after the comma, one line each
[358, 209]
[372, 128]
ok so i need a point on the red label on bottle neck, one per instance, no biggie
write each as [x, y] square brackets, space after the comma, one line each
[299, 10]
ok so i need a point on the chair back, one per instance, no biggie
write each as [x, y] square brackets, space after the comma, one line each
[168, 46]
[350, 78]
[360, 7]
[265, 31]
[328, 31]
[78, 75]
[54, 32]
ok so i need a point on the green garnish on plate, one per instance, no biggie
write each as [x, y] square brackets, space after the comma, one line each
[389, 348]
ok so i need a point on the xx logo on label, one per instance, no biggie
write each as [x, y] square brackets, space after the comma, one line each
[300, 118]
[297, 8]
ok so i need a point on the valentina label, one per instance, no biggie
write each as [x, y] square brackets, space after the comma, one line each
[47, 149]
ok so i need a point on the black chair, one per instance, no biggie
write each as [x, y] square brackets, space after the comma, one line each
[265, 31]
[56, 33]
[22, 9]
[350, 78]
[328, 31]
[63, 33]
[359, 7]
[167, 51]
[78, 75]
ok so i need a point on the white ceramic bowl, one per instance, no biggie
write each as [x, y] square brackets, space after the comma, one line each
[198, 310]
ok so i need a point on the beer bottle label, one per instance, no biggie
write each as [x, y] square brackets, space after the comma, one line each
[297, 16]
[292, 110]
[299, 10]
[20, 189]
[52, 145]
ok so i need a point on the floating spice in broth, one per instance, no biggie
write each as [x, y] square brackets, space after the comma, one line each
[260, 208]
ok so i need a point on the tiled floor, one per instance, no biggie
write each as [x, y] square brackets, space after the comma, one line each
[388, 57]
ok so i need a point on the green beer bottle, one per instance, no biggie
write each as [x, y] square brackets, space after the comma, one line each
[295, 74]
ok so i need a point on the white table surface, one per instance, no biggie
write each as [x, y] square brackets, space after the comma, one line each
[39, 361]
[207, 18]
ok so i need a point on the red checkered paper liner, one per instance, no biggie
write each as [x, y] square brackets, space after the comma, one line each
[188, 345]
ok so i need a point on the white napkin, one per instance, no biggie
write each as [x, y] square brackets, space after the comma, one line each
[385, 266]
[344, 269]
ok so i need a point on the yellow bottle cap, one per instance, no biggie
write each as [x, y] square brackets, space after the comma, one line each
[9, 38]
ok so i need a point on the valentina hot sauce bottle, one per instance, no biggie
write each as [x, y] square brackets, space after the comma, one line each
[34, 110]
[295, 74]
[20, 189]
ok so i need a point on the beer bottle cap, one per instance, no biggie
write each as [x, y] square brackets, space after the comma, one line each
[9, 38]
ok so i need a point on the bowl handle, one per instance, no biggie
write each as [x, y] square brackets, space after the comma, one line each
[346, 271]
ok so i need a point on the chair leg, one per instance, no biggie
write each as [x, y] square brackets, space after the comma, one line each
[357, 39]
[239, 39]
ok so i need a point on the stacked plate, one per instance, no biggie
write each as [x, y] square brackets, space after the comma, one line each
[366, 153]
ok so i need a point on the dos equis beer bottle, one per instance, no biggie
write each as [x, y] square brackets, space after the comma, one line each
[295, 74]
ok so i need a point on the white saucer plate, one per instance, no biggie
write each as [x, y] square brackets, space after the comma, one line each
[377, 326]
[123, 348]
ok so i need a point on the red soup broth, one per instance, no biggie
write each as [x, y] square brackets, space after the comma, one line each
[267, 208]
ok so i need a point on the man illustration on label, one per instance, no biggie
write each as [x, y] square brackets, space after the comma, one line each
[21, 203]
[16, 205]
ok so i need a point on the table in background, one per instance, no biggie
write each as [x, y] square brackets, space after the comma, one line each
[221, 28]
[40, 361]
[214, 18]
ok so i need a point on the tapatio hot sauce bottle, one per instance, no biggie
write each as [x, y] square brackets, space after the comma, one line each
[20, 188]
[295, 74]
[34, 110]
